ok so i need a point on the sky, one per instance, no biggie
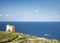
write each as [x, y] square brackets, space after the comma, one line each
[29, 10]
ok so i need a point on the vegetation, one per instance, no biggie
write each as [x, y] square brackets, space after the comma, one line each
[15, 37]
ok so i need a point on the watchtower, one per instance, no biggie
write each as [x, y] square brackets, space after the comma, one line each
[10, 28]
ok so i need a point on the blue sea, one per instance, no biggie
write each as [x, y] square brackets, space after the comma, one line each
[50, 30]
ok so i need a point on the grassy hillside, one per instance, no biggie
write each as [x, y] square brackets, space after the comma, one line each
[15, 37]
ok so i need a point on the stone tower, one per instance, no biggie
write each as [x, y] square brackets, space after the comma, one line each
[10, 28]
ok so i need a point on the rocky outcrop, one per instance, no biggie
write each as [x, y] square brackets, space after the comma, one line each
[14, 37]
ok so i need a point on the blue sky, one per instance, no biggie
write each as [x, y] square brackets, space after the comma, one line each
[29, 10]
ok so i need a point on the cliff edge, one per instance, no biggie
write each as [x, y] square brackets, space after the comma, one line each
[15, 37]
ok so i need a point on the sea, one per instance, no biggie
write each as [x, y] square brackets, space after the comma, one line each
[50, 30]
